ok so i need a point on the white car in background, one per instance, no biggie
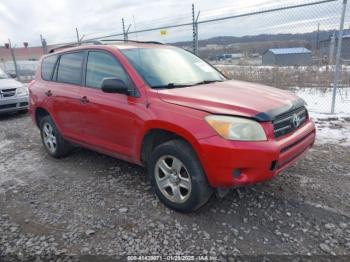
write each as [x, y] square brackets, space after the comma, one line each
[14, 96]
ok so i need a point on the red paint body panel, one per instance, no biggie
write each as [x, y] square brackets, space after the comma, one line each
[253, 159]
[116, 124]
[230, 98]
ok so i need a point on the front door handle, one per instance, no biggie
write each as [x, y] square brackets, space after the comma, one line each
[48, 93]
[84, 100]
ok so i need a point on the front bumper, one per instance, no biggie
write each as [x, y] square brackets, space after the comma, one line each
[14, 104]
[238, 163]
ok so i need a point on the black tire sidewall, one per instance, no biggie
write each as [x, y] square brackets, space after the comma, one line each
[200, 192]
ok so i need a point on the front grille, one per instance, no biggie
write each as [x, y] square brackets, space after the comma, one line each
[288, 122]
[8, 106]
[8, 92]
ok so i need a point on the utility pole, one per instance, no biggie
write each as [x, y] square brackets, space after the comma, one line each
[14, 59]
[337, 59]
[77, 32]
[195, 30]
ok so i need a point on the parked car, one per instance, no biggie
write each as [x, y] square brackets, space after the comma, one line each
[168, 110]
[25, 70]
[13, 95]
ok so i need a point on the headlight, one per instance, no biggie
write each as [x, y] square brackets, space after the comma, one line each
[22, 91]
[236, 128]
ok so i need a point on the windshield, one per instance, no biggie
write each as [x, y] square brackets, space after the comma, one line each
[171, 67]
[3, 75]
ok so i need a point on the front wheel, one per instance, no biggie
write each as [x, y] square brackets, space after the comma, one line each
[177, 176]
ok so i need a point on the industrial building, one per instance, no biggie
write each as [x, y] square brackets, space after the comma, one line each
[296, 56]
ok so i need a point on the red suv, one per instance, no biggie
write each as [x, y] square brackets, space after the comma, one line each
[168, 110]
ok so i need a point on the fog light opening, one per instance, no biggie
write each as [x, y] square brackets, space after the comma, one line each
[237, 173]
[273, 165]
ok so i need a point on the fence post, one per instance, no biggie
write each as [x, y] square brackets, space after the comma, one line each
[195, 31]
[41, 41]
[337, 59]
[43, 44]
[123, 25]
[197, 50]
[77, 32]
[14, 59]
[331, 50]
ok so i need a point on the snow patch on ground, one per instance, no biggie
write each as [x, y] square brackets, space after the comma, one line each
[331, 128]
[319, 100]
[333, 131]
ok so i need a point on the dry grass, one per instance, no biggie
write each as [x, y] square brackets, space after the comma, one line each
[286, 77]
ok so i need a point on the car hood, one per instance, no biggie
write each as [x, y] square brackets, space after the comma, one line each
[9, 83]
[234, 97]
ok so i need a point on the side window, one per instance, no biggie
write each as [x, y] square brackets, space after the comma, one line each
[47, 67]
[69, 68]
[101, 65]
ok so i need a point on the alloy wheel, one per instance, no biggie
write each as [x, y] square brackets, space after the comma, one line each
[49, 137]
[173, 179]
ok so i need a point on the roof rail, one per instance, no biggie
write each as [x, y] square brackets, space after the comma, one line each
[132, 41]
[100, 42]
[94, 42]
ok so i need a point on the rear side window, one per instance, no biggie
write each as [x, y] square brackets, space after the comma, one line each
[47, 67]
[100, 66]
[69, 69]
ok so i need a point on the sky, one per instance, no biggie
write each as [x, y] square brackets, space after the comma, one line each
[24, 20]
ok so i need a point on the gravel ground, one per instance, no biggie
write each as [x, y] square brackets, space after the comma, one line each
[91, 204]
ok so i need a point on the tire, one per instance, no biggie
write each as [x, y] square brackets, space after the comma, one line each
[54, 143]
[177, 176]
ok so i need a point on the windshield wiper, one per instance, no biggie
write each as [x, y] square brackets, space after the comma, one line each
[170, 85]
[207, 82]
[173, 85]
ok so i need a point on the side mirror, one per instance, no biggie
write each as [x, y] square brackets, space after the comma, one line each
[12, 75]
[115, 85]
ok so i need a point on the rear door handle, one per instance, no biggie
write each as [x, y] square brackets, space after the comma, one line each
[84, 100]
[48, 93]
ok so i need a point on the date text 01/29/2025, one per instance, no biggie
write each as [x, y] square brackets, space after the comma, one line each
[172, 258]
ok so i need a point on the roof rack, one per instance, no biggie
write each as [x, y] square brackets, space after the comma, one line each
[132, 41]
[94, 42]
[101, 42]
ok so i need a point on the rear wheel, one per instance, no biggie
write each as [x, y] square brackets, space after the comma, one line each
[178, 177]
[52, 140]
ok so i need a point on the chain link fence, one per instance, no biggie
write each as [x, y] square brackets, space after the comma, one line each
[292, 49]
[287, 44]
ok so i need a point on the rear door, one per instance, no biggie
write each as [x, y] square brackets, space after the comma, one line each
[67, 80]
[107, 119]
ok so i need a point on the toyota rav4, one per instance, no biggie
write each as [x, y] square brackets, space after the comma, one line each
[168, 110]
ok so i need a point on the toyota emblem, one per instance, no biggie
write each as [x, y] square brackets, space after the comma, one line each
[296, 120]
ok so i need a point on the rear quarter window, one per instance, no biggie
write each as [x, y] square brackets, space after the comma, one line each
[47, 67]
